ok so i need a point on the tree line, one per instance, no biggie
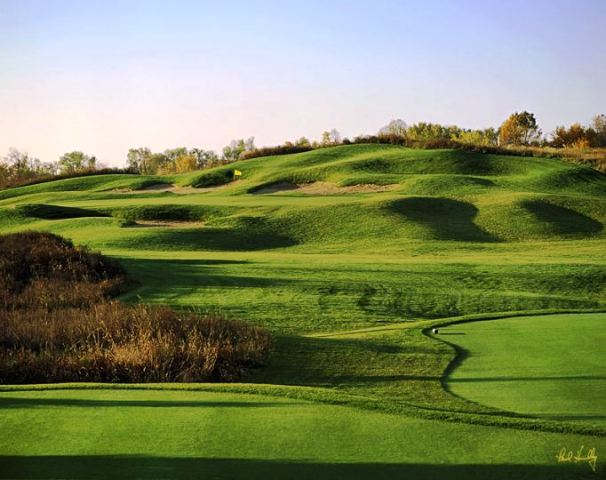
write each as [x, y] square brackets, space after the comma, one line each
[520, 129]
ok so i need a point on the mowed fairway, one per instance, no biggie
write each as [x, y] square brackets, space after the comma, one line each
[348, 256]
[551, 366]
[161, 433]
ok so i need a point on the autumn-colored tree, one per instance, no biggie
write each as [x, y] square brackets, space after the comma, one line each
[575, 136]
[186, 163]
[519, 129]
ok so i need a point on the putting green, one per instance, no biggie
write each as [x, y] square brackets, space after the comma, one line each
[549, 366]
[116, 433]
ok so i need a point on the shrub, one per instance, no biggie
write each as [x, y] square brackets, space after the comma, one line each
[213, 179]
[285, 149]
[113, 342]
[44, 178]
[43, 262]
[57, 324]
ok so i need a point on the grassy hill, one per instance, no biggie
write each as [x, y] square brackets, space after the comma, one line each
[348, 255]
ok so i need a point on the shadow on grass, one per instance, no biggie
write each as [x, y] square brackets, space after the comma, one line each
[20, 402]
[526, 379]
[562, 220]
[447, 219]
[128, 467]
[317, 361]
[205, 238]
[190, 274]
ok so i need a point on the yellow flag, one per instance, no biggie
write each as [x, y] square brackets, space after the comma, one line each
[237, 173]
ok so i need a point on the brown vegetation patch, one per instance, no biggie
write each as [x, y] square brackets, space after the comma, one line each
[57, 324]
[113, 342]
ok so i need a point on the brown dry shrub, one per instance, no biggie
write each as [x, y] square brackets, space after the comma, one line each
[113, 342]
[57, 324]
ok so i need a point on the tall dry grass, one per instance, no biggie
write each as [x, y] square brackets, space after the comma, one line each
[58, 324]
[113, 342]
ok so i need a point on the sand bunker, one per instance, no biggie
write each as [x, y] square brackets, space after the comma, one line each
[324, 188]
[169, 187]
[167, 223]
[159, 188]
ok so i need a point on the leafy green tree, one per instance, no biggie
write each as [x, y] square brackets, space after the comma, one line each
[486, 137]
[76, 161]
[303, 142]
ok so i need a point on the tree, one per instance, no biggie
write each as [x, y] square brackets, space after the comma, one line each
[204, 158]
[325, 138]
[173, 153]
[599, 126]
[138, 159]
[395, 128]
[335, 136]
[20, 162]
[17, 167]
[575, 136]
[76, 161]
[332, 137]
[236, 148]
[519, 129]
[486, 137]
[302, 142]
[186, 163]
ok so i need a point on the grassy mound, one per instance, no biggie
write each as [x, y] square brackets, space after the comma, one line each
[443, 218]
[559, 220]
[161, 212]
[55, 212]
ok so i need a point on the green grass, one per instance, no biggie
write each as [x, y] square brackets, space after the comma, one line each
[550, 366]
[347, 283]
[189, 434]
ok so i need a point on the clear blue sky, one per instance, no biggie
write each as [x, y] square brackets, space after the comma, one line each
[105, 76]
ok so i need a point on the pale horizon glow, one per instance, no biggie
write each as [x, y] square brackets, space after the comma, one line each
[103, 77]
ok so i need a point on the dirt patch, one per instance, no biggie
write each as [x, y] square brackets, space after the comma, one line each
[167, 224]
[324, 188]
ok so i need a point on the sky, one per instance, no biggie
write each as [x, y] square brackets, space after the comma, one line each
[103, 77]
